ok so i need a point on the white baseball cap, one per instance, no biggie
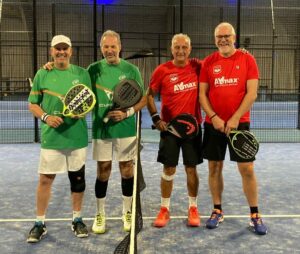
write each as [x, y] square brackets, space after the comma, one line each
[61, 39]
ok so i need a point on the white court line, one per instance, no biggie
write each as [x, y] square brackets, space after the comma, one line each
[288, 216]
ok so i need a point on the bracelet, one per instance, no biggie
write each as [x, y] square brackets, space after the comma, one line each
[155, 117]
[130, 111]
[215, 114]
[44, 117]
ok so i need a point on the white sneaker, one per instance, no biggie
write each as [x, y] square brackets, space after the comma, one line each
[126, 218]
[99, 224]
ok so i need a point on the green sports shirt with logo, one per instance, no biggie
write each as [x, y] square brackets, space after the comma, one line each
[72, 134]
[107, 76]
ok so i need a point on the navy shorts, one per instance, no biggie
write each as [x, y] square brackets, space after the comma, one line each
[170, 145]
[215, 144]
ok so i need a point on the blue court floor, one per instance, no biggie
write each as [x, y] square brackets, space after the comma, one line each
[277, 169]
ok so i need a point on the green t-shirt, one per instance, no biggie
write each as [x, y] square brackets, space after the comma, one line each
[108, 75]
[72, 134]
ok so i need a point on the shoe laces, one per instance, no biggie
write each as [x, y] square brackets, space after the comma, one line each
[128, 217]
[215, 214]
[163, 212]
[79, 223]
[100, 219]
[193, 211]
[256, 217]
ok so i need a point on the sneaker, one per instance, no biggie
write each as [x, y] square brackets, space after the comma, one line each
[37, 232]
[162, 218]
[99, 224]
[193, 217]
[79, 228]
[257, 225]
[216, 217]
[126, 218]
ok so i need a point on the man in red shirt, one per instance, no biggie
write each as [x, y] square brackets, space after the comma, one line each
[177, 83]
[228, 89]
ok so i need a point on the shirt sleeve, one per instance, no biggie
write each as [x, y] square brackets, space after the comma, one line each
[156, 78]
[204, 72]
[36, 95]
[253, 72]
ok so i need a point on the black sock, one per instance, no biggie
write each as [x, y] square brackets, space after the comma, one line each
[253, 209]
[219, 207]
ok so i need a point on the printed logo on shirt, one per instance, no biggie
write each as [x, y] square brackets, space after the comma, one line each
[217, 69]
[122, 77]
[184, 87]
[173, 78]
[226, 81]
[75, 82]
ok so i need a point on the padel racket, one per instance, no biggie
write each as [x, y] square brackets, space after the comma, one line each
[244, 143]
[125, 95]
[77, 102]
[183, 126]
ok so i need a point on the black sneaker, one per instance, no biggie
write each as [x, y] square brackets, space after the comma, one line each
[79, 228]
[37, 232]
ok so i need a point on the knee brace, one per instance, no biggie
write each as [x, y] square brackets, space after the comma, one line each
[167, 177]
[100, 188]
[77, 180]
[127, 186]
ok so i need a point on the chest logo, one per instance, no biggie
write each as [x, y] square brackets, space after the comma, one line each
[217, 69]
[122, 77]
[173, 78]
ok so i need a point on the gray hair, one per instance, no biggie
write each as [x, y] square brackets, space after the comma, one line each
[110, 33]
[225, 24]
[181, 35]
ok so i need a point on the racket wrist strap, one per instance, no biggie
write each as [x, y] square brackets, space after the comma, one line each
[155, 117]
[130, 111]
[44, 117]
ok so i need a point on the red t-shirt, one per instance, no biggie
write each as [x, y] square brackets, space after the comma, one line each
[178, 88]
[227, 80]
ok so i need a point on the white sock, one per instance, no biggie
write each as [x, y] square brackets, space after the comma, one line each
[41, 218]
[192, 201]
[76, 214]
[127, 202]
[101, 205]
[165, 202]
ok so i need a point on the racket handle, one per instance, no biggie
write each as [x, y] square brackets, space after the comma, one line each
[105, 119]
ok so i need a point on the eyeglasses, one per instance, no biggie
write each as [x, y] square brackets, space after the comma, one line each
[225, 36]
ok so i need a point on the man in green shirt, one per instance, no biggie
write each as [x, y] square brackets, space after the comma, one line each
[117, 137]
[64, 140]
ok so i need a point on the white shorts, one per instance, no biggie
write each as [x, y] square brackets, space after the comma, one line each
[123, 149]
[60, 161]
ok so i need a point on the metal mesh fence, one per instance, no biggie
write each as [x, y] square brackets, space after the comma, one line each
[28, 26]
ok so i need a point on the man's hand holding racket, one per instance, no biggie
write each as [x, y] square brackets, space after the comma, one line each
[126, 94]
[54, 121]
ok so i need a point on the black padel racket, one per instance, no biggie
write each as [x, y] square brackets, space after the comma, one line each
[244, 143]
[125, 95]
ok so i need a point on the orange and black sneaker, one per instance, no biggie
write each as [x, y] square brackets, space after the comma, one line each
[257, 225]
[216, 217]
[162, 218]
[193, 217]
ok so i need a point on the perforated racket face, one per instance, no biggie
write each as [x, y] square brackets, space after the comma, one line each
[127, 93]
[185, 125]
[244, 144]
[78, 101]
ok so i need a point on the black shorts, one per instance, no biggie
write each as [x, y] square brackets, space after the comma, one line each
[215, 144]
[169, 149]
